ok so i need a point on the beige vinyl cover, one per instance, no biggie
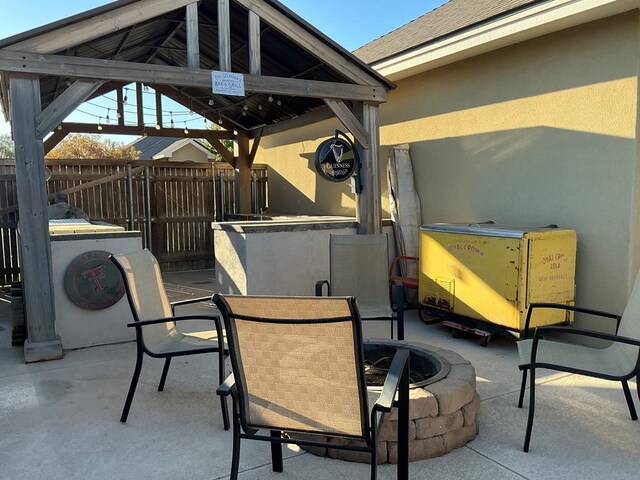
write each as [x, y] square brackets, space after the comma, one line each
[617, 360]
[298, 376]
[359, 268]
[146, 290]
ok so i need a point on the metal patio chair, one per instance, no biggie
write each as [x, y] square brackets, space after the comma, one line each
[618, 362]
[299, 368]
[155, 322]
[359, 267]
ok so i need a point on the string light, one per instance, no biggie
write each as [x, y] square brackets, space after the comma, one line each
[259, 107]
[219, 119]
[270, 99]
[100, 123]
[173, 125]
[124, 100]
[107, 120]
[211, 102]
[186, 130]
[279, 102]
[158, 126]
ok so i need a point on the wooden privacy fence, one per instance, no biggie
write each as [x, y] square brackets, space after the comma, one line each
[172, 203]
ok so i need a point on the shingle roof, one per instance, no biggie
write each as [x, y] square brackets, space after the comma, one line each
[451, 17]
[149, 146]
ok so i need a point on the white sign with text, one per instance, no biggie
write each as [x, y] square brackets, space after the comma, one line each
[227, 83]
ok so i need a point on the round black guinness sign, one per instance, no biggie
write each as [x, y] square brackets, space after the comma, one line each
[336, 160]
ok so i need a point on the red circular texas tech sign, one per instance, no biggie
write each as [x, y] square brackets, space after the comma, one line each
[92, 282]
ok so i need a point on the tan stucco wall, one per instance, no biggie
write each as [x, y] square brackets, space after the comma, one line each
[189, 153]
[536, 133]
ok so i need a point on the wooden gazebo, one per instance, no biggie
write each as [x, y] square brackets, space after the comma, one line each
[173, 46]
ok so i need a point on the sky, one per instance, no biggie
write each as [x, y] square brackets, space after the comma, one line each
[351, 23]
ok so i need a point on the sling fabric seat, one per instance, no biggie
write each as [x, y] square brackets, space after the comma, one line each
[619, 361]
[298, 368]
[155, 322]
[359, 267]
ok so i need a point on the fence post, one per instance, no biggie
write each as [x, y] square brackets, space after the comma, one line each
[130, 213]
[147, 209]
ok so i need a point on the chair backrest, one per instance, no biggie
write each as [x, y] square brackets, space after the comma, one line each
[630, 326]
[359, 266]
[298, 363]
[146, 294]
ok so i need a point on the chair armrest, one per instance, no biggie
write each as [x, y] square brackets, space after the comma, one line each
[572, 308]
[540, 331]
[319, 285]
[399, 363]
[397, 259]
[188, 301]
[144, 323]
[228, 387]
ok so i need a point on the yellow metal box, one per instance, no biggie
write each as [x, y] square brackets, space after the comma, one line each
[492, 273]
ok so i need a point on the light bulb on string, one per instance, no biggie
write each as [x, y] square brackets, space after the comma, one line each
[235, 132]
[173, 125]
[270, 99]
[211, 102]
[259, 107]
[186, 130]
[100, 123]
[219, 119]
[146, 87]
[279, 102]
[107, 120]
[158, 126]
[124, 100]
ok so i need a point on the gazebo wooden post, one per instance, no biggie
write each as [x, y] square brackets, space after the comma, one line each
[243, 174]
[41, 343]
[368, 204]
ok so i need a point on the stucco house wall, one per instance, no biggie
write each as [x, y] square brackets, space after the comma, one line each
[189, 153]
[540, 132]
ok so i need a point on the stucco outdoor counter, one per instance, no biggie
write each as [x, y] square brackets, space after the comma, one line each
[283, 256]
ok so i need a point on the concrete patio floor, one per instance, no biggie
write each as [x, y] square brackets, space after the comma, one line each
[59, 420]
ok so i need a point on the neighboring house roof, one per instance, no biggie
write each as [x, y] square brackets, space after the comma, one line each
[451, 17]
[153, 148]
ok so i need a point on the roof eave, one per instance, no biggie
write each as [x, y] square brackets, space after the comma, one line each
[538, 20]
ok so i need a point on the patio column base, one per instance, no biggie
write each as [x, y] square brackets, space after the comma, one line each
[42, 351]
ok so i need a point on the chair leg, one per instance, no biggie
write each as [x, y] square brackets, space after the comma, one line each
[132, 387]
[235, 458]
[627, 395]
[165, 370]
[522, 387]
[276, 452]
[400, 311]
[374, 451]
[532, 400]
[223, 400]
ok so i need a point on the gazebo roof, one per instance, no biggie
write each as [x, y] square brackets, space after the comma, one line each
[162, 40]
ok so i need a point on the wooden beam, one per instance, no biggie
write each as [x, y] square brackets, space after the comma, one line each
[54, 139]
[255, 67]
[349, 120]
[310, 118]
[37, 271]
[72, 127]
[254, 147]
[223, 151]
[103, 24]
[224, 36]
[243, 175]
[120, 106]
[139, 104]
[112, 70]
[62, 106]
[310, 42]
[159, 109]
[193, 38]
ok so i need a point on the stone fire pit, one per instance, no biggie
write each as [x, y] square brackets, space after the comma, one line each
[442, 414]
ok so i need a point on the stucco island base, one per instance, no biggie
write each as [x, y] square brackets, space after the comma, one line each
[442, 417]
